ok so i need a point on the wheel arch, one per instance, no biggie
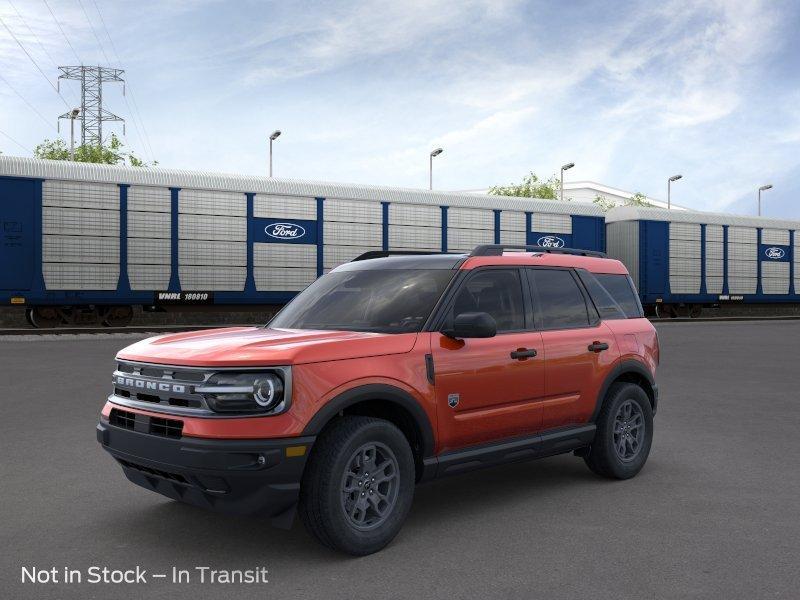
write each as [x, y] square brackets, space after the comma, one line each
[630, 371]
[387, 402]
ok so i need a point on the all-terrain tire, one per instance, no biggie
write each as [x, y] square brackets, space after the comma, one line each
[326, 508]
[615, 453]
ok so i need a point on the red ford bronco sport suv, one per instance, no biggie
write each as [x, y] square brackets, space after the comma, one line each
[388, 371]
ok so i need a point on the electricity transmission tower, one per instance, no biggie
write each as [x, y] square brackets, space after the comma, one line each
[92, 113]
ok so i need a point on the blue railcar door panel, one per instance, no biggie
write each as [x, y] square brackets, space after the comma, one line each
[588, 233]
[653, 258]
[17, 233]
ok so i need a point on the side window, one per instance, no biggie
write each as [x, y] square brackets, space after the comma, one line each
[606, 305]
[497, 292]
[623, 291]
[558, 299]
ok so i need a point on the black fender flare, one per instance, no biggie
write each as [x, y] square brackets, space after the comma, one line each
[375, 391]
[623, 368]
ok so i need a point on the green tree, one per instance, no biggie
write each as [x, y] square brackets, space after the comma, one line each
[531, 187]
[112, 153]
[638, 199]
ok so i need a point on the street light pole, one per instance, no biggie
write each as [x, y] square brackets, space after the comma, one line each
[72, 115]
[763, 188]
[564, 168]
[436, 152]
[273, 136]
[669, 189]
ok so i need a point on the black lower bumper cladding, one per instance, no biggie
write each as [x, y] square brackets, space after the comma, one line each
[244, 477]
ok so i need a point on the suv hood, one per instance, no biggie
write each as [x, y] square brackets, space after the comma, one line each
[257, 346]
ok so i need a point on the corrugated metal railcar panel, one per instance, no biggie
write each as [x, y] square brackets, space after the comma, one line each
[622, 243]
[80, 194]
[714, 233]
[715, 250]
[775, 236]
[684, 248]
[551, 223]
[208, 227]
[80, 276]
[149, 277]
[208, 278]
[284, 207]
[742, 268]
[742, 285]
[353, 234]
[72, 248]
[714, 284]
[684, 231]
[270, 279]
[204, 202]
[149, 225]
[742, 235]
[684, 266]
[684, 284]
[775, 277]
[512, 220]
[513, 237]
[462, 240]
[404, 237]
[203, 252]
[76, 221]
[747, 252]
[353, 211]
[715, 267]
[285, 255]
[470, 218]
[415, 214]
[143, 251]
[149, 199]
[337, 255]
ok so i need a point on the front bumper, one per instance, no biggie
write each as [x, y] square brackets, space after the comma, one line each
[244, 477]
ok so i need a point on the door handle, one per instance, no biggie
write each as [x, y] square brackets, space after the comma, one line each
[597, 346]
[523, 353]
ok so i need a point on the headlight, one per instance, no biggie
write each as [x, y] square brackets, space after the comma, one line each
[244, 392]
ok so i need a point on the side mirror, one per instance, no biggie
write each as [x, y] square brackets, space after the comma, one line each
[472, 325]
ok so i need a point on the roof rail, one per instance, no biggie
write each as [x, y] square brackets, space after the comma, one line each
[386, 253]
[498, 249]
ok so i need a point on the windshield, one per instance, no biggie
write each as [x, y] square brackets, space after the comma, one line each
[385, 301]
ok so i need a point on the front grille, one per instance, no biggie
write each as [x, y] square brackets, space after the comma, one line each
[150, 471]
[170, 428]
[122, 418]
[166, 427]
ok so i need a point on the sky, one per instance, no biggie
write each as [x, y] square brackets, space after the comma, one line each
[631, 92]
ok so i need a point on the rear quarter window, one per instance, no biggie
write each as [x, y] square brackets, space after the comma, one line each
[621, 290]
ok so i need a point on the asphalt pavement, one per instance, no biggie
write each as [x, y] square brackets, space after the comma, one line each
[714, 514]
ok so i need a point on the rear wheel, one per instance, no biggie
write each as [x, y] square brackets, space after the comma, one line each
[624, 433]
[117, 316]
[358, 485]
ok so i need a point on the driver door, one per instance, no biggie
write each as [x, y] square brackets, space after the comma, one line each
[482, 392]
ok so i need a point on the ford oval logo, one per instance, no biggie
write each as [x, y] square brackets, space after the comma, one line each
[550, 241]
[775, 253]
[285, 231]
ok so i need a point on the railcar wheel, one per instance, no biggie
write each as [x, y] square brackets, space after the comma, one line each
[695, 310]
[44, 317]
[118, 316]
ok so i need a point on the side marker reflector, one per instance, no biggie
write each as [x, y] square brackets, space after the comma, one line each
[17, 300]
[295, 451]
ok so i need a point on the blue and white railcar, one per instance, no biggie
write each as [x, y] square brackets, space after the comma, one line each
[682, 261]
[98, 239]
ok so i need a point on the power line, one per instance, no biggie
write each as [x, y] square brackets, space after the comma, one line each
[16, 142]
[61, 29]
[38, 41]
[21, 97]
[35, 64]
[99, 43]
[136, 114]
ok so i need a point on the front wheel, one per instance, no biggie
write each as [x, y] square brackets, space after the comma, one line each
[358, 485]
[624, 433]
